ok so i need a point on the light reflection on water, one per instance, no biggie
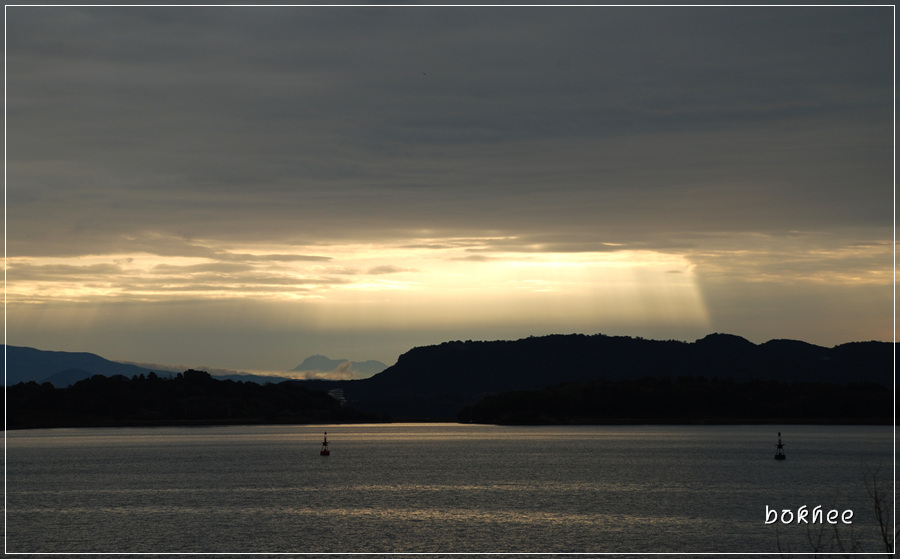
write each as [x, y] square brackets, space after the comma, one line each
[430, 488]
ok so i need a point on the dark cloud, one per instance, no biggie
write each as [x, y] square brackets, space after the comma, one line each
[242, 121]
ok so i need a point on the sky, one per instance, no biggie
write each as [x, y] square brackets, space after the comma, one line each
[242, 187]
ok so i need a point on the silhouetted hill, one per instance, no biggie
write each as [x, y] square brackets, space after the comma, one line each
[64, 368]
[793, 348]
[437, 381]
[60, 367]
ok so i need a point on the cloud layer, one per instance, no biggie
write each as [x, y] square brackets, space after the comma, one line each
[241, 154]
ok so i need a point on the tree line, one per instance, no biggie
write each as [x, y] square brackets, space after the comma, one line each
[192, 397]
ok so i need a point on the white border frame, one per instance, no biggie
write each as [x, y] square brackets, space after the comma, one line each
[5, 237]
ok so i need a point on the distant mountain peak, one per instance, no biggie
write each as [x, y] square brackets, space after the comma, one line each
[322, 364]
[319, 362]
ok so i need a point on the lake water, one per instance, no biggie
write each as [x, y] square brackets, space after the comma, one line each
[434, 488]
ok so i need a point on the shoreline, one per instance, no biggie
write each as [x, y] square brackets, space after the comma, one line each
[622, 422]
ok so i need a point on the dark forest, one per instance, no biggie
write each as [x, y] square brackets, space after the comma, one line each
[190, 398]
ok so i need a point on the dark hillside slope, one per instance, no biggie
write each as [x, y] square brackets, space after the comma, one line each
[25, 364]
[437, 381]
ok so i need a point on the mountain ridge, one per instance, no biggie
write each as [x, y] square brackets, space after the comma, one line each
[434, 382]
[25, 364]
[437, 381]
[64, 368]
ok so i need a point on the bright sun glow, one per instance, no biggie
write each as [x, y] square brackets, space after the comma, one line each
[427, 283]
